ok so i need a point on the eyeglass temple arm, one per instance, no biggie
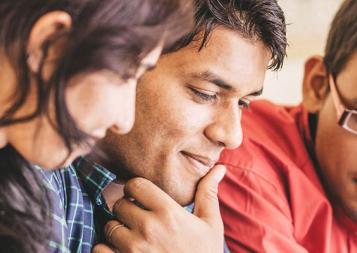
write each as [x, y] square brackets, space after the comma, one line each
[339, 107]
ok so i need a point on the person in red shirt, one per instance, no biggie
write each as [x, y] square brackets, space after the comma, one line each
[292, 185]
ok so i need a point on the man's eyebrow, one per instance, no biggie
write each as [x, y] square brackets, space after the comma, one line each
[213, 78]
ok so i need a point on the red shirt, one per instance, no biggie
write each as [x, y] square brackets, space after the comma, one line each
[272, 199]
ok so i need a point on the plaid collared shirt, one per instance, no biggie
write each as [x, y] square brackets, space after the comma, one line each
[72, 212]
[74, 201]
[79, 207]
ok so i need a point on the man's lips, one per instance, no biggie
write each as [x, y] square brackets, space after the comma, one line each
[201, 163]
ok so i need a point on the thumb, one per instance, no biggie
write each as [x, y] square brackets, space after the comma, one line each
[206, 199]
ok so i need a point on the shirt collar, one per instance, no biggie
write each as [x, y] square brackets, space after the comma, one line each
[306, 126]
[96, 180]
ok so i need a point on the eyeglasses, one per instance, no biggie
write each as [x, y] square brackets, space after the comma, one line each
[347, 118]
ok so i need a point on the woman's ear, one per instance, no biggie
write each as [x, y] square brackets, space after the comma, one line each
[315, 84]
[45, 28]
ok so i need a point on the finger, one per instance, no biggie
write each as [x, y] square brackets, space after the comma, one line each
[117, 234]
[150, 196]
[206, 199]
[129, 213]
[102, 248]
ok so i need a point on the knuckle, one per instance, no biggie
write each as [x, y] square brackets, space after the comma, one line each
[211, 193]
[153, 232]
[149, 229]
[135, 184]
[118, 206]
[170, 220]
[111, 230]
[155, 229]
[138, 247]
[96, 249]
[109, 226]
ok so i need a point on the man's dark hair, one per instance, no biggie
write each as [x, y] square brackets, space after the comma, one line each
[342, 38]
[253, 19]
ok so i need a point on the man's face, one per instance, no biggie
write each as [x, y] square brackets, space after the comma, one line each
[336, 148]
[189, 109]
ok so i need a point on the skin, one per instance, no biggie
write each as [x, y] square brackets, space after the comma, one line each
[181, 110]
[89, 98]
[335, 147]
[161, 224]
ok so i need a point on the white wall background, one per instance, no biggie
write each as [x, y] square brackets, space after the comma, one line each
[309, 22]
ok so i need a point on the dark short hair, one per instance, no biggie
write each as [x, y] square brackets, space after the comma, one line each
[342, 38]
[253, 19]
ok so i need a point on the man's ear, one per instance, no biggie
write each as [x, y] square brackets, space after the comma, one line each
[45, 28]
[315, 84]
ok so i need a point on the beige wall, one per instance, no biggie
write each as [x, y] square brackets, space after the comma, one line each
[309, 22]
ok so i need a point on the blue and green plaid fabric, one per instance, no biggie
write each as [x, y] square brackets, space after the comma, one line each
[73, 208]
[79, 211]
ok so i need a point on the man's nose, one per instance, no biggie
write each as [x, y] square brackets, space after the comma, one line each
[226, 130]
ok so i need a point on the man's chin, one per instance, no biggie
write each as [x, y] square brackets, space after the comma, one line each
[183, 199]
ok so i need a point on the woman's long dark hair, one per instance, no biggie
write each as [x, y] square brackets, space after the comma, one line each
[105, 34]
